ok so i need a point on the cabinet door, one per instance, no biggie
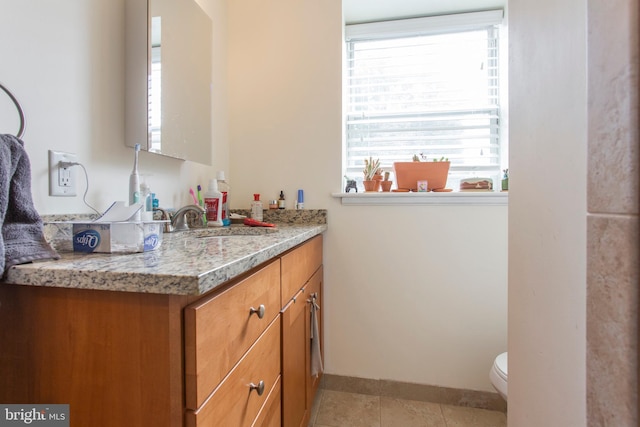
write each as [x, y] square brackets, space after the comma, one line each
[299, 386]
[314, 288]
[294, 362]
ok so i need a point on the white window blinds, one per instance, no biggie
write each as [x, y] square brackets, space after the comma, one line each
[425, 86]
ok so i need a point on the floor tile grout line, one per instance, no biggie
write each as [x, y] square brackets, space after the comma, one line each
[446, 424]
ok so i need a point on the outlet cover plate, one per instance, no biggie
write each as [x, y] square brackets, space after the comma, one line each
[62, 181]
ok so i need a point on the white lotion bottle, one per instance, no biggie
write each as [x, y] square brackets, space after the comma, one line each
[256, 208]
[213, 204]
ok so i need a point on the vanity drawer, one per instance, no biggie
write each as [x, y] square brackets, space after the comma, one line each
[234, 403]
[299, 265]
[271, 415]
[221, 328]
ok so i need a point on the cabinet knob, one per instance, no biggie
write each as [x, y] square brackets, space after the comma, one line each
[259, 311]
[259, 388]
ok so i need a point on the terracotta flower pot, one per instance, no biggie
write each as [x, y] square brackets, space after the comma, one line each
[386, 185]
[370, 185]
[409, 173]
[378, 179]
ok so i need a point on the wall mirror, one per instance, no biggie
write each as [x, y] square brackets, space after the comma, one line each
[168, 78]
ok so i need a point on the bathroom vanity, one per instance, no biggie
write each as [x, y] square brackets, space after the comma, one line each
[205, 331]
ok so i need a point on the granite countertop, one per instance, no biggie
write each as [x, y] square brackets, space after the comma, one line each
[187, 263]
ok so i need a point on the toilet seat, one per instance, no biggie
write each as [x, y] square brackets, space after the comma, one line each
[498, 374]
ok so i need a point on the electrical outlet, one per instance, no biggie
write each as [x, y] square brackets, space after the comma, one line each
[62, 180]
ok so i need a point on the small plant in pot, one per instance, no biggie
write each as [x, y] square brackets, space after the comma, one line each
[371, 171]
[385, 184]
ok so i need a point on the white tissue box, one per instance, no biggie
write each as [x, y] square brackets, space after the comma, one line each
[114, 237]
[118, 230]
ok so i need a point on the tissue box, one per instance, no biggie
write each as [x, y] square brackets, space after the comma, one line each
[114, 237]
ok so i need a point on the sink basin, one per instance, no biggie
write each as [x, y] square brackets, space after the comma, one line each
[233, 230]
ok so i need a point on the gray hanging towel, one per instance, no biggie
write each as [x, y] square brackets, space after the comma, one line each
[316, 354]
[22, 238]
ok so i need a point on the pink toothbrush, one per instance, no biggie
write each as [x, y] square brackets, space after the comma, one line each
[193, 194]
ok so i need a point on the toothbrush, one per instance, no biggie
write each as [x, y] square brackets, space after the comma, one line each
[193, 194]
[200, 202]
[134, 180]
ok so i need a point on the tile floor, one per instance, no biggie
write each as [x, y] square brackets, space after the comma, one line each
[342, 409]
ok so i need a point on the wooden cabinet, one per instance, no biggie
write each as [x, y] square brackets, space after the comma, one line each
[220, 328]
[298, 265]
[232, 357]
[314, 296]
[232, 351]
[115, 357]
[243, 393]
[302, 266]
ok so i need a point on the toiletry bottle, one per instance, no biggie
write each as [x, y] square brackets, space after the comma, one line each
[300, 201]
[273, 204]
[146, 199]
[281, 200]
[256, 208]
[224, 187]
[213, 204]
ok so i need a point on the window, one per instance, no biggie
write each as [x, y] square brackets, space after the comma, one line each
[426, 86]
[154, 119]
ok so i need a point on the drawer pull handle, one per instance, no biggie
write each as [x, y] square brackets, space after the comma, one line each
[259, 311]
[312, 300]
[259, 388]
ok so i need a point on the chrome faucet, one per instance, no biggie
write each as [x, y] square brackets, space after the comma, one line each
[177, 221]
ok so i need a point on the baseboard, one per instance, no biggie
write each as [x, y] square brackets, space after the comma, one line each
[411, 391]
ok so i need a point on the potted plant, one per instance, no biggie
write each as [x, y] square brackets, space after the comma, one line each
[505, 180]
[409, 173]
[371, 171]
[385, 184]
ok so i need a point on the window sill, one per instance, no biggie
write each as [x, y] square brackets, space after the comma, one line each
[451, 198]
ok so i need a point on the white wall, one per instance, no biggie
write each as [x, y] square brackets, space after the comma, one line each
[412, 293]
[416, 294]
[547, 213]
[64, 61]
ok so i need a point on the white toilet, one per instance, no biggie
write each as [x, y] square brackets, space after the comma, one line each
[498, 374]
